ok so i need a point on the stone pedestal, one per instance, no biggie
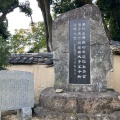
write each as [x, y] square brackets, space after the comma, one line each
[78, 105]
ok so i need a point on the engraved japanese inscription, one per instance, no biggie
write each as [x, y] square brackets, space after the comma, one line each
[16, 90]
[79, 51]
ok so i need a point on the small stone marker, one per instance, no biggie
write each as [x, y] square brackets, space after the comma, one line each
[25, 113]
[17, 92]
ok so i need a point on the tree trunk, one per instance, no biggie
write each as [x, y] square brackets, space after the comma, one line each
[107, 31]
[45, 8]
[2, 18]
[49, 22]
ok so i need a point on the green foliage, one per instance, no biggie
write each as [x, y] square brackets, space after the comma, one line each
[18, 41]
[7, 6]
[4, 53]
[25, 7]
[33, 38]
[61, 6]
[111, 13]
[38, 37]
[3, 30]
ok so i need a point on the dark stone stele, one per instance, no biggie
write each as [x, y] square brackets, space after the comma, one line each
[100, 53]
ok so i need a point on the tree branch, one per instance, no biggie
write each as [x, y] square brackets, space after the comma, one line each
[3, 16]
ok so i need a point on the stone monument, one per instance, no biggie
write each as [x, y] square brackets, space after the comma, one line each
[17, 92]
[82, 48]
[83, 58]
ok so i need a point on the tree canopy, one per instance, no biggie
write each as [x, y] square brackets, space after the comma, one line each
[34, 38]
[111, 13]
[59, 6]
[37, 37]
[7, 6]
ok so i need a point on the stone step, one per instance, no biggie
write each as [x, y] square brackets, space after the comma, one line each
[43, 114]
[80, 102]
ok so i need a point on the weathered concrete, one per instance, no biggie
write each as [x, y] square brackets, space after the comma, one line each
[100, 53]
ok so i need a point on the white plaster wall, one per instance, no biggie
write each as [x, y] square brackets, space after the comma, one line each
[43, 77]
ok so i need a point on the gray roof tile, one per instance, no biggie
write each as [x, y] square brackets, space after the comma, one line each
[43, 58]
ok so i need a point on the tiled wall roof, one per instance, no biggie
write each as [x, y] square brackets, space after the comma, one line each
[47, 58]
[40, 58]
[115, 46]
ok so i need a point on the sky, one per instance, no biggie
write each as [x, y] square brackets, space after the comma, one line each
[18, 19]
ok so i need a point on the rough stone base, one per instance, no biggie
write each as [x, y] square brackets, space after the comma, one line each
[43, 114]
[78, 105]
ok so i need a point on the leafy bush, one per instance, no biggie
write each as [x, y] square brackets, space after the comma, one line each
[33, 38]
[4, 53]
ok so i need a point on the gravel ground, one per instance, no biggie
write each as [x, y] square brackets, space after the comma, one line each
[12, 115]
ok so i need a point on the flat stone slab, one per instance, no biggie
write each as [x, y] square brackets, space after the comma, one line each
[80, 102]
[16, 90]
